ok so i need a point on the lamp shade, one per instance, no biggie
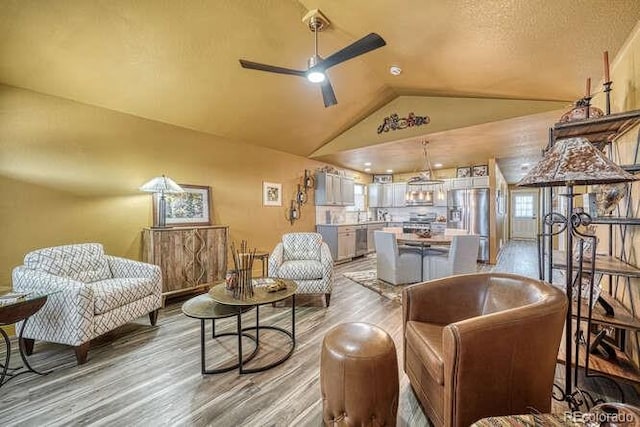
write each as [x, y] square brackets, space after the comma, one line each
[161, 184]
[574, 161]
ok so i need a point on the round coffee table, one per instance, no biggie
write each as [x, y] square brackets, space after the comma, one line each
[203, 307]
[260, 297]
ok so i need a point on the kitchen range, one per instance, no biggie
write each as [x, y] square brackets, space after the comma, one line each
[424, 222]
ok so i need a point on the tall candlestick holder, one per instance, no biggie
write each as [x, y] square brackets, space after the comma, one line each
[607, 94]
[586, 101]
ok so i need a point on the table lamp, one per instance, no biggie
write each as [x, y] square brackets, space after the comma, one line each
[161, 185]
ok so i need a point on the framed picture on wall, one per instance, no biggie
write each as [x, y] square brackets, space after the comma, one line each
[464, 172]
[193, 207]
[383, 178]
[482, 170]
[271, 194]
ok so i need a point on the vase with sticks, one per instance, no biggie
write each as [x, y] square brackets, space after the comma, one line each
[243, 261]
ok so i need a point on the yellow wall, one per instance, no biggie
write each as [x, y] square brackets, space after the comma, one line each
[70, 172]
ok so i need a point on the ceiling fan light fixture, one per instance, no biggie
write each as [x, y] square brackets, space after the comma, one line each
[316, 76]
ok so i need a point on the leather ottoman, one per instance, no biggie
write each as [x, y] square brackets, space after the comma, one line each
[359, 376]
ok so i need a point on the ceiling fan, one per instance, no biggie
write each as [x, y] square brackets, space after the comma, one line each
[317, 66]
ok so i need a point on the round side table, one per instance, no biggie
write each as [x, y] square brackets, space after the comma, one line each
[203, 307]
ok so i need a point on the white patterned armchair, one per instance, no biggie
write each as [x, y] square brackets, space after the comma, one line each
[94, 293]
[305, 259]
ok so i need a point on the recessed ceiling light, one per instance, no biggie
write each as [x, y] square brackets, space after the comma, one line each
[367, 164]
[367, 169]
[437, 165]
[389, 170]
[526, 165]
[395, 70]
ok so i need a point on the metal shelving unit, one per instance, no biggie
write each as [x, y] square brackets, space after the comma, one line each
[608, 314]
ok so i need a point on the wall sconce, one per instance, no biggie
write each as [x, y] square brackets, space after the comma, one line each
[301, 196]
[294, 212]
[307, 183]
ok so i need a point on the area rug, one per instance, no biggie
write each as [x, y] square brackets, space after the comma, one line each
[368, 279]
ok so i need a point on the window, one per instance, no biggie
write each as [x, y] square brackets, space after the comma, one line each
[523, 206]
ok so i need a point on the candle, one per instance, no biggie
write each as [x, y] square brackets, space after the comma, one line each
[606, 66]
[588, 87]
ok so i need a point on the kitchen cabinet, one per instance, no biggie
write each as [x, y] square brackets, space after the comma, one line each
[471, 182]
[374, 192]
[399, 194]
[346, 243]
[460, 183]
[480, 182]
[333, 190]
[341, 240]
[381, 195]
[347, 191]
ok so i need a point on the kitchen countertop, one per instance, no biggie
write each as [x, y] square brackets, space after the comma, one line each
[352, 224]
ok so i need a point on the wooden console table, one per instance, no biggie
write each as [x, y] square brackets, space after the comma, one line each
[189, 257]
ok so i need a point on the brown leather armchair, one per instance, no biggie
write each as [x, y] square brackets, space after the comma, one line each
[480, 345]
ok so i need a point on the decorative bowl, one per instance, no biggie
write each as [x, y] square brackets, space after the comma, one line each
[423, 234]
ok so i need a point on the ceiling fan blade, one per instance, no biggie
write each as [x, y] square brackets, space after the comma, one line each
[366, 44]
[270, 68]
[328, 95]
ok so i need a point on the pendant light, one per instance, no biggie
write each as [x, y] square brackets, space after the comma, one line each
[416, 190]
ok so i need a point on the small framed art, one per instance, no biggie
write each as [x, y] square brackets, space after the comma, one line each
[481, 170]
[271, 194]
[383, 178]
[464, 172]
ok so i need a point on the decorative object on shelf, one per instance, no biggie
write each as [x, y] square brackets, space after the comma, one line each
[570, 162]
[277, 285]
[395, 122]
[293, 213]
[481, 170]
[271, 194]
[231, 280]
[191, 207]
[160, 186]
[383, 178]
[464, 172]
[243, 263]
[425, 234]
[308, 181]
[608, 196]
[607, 82]
[581, 111]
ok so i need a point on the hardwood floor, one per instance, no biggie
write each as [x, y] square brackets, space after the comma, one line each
[144, 375]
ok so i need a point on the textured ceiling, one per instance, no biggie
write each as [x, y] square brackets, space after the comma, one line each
[177, 61]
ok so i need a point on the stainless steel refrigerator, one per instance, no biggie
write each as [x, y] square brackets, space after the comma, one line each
[468, 209]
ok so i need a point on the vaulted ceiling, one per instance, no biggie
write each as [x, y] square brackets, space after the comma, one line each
[177, 61]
